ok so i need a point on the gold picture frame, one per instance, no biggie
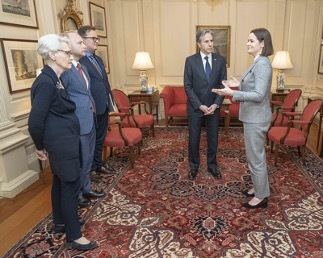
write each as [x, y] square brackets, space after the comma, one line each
[71, 18]
[21, 13]
[98, 19]
[102, 51]
[222, 40]
[21, 62]
[320, 68]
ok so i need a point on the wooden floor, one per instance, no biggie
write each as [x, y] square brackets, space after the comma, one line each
[20, 214]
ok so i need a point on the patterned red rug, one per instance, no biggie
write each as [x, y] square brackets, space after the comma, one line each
[153, 210]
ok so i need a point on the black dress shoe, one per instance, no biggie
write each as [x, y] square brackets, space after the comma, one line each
[192, 175]
[262, 204]
[84, 202]
[73, 244]
[59, 229]
[214, 172]
[102, 170]
[93, 194]
[245, 193]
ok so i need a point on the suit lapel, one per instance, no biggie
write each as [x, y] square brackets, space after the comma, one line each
[250, 68]
[78, 76]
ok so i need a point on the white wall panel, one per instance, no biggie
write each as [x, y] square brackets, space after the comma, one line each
[175, 36]
[246, 20]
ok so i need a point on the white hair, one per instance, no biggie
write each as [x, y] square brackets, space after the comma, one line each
[50, 43]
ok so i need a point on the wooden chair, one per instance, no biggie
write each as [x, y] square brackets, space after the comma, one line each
[296, 132]
[287, 105]
[119, 136]
[125, 106]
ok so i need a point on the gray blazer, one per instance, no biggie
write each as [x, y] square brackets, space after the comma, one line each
[254, 92]
[76, 88]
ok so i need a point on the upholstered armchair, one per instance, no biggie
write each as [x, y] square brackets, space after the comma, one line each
[297, 130]
[175, 100]
[133, 120]
[287, 105]
[118, 136]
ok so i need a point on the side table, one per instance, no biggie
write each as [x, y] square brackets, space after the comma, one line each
[152, 98]
[319, 129]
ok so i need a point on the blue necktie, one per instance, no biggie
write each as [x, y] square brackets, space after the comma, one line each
[96, 65]
[207, 68]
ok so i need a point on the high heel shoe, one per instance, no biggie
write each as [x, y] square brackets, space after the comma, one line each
[262, 204]
[245, 193]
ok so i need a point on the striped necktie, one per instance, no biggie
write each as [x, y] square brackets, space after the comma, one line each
[96, 65]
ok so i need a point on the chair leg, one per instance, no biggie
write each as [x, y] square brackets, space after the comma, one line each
[276, 154]
[131, 157]
[227, 123]
[111, 151]
[104, 154]
[271, 147]
[139, 147]
[299, 151]
[152, 127]
[303, 154]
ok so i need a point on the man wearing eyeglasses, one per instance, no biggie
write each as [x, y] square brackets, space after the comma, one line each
[100, 90]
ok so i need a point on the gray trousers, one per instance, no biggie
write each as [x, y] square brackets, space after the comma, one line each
[255, 139]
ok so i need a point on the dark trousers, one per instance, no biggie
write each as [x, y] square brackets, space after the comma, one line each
[64, 205]
[101, 131]
[212, 128]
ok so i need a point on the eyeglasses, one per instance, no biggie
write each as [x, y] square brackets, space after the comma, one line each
[68, 53]
[93, 38]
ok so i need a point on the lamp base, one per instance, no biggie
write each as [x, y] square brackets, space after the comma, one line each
[280, 81]
[143, 79]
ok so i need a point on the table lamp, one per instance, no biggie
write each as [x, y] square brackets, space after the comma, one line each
[142, 62]
[281, 62]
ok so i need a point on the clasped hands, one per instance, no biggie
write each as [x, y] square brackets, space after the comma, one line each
[42, 154]
[226, 91]
[208, 110]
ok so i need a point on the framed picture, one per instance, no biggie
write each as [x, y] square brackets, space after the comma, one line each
[320, 70]
[21, 61]
[222, 40]
[98, 20]
[71, 18]
[102, 51]
[19, 13]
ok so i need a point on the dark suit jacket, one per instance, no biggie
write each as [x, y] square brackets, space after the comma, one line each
[100, 86]
[197, 88]
[81, 96]
[53, 125]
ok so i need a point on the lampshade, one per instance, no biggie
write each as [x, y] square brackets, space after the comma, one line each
[282, 61]
[142, 61]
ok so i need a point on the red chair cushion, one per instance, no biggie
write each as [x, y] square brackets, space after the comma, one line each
[114, 139]
[294, 138]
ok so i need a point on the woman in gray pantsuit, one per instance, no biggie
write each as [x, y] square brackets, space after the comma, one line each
[255, 112]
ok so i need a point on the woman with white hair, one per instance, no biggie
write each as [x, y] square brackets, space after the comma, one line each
[55, 131]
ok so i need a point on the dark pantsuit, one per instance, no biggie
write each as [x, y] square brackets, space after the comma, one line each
[64, 203]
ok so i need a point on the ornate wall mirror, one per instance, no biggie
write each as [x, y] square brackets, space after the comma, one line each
[70, 18]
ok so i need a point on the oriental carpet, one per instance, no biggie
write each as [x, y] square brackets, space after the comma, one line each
[153, 210]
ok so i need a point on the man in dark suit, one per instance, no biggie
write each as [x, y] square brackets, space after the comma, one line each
[100, 90]
[77, 83]
[203, 72]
